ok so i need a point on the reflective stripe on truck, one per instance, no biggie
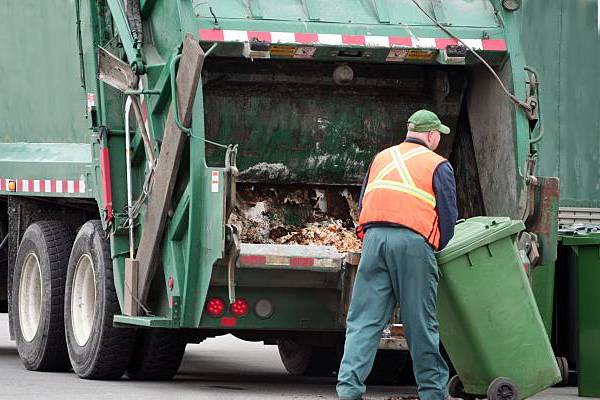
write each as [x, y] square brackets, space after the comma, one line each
[16, 185]
[327, 39]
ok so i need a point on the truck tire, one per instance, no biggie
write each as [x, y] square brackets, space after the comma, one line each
[157, 355]
[304, 359]
[38, 295]
[96, 348]
[390, 368]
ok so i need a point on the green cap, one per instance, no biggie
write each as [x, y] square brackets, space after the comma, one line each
[425, 121]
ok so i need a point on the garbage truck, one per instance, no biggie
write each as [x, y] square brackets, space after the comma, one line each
[178, 170]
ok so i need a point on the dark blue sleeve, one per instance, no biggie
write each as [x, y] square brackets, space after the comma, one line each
[362, 190]
[445, 199]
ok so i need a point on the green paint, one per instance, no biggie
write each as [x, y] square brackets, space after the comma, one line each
[302, 309]
[587, 264]
[487, 311]
[560, 39]
[542, 283]
[346, 16]
[282, 113]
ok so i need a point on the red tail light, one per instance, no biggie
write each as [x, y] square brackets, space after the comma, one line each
[240, 307]
[215, 307]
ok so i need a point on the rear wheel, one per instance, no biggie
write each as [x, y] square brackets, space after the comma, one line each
[158, 354]
[305, 359]
[38, 295]
[390, 368]
[502, 389]
[97, 349]
[3, 259]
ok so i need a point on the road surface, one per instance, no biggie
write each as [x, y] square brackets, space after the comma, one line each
[220, 368]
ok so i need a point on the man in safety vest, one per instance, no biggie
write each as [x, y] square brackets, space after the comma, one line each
[407, 211]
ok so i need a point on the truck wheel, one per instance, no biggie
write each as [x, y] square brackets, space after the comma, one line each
[38, 295]
[502, 389]
[97, 349]
[389, 367]
[157, 355]
[304, 359]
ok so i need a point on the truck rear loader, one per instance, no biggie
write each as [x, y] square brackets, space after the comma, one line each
[176, 170]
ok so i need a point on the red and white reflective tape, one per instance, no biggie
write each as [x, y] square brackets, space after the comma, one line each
[294, 262]
[43, 185]
[214, 182]
[91, 101]
[328, 39]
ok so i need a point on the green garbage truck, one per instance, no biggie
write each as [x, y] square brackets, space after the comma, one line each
[177, 170]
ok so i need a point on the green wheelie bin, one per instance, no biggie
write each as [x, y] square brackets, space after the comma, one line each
[489, 321]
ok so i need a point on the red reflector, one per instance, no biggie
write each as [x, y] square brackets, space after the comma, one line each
[215, 307]
[240, 307]
[302, 262]
[494, 44]
[253, 260]
[229, 322]
[212, 35]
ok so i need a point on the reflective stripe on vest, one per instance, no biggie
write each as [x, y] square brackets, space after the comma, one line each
[400, 190]
[408, 185]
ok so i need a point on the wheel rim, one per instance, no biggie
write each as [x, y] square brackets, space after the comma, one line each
[83, 300]
[30, 297]
[505, 392]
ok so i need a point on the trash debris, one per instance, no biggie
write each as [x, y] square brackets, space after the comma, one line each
[325, 233]
[306, 216]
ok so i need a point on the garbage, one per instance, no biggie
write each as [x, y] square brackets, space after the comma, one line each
[306, 216]
[326, 233]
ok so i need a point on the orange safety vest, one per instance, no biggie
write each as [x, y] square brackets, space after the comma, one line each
[400, 190]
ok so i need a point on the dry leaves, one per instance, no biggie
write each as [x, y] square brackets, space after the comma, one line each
[326, 233]
[297, 216]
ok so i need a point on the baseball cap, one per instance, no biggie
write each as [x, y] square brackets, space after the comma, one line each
[425, 121]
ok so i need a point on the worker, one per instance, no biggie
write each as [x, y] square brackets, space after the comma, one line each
[407, 212]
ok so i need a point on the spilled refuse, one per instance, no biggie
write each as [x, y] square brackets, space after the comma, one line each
[290, 215]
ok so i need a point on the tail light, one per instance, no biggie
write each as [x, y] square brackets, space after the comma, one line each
[215, 307]
[240, 307]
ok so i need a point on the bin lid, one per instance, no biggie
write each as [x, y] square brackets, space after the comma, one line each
[580, 239]
[476, 232]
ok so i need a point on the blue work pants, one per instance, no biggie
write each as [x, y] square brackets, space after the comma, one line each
[397, 267]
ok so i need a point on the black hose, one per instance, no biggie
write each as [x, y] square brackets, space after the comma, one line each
[134, 17]
[80, 44]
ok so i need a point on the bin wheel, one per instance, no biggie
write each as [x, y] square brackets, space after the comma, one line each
[457, 390]
[391, 367]
[455, 387]
[502, 389]
[563, 365]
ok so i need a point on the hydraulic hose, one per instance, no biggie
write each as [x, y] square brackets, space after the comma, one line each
[134, 17]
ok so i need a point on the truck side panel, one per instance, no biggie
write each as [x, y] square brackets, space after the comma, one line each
[567, 62]
[42, 100]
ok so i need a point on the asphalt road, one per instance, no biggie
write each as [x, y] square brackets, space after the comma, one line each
[220, 368]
